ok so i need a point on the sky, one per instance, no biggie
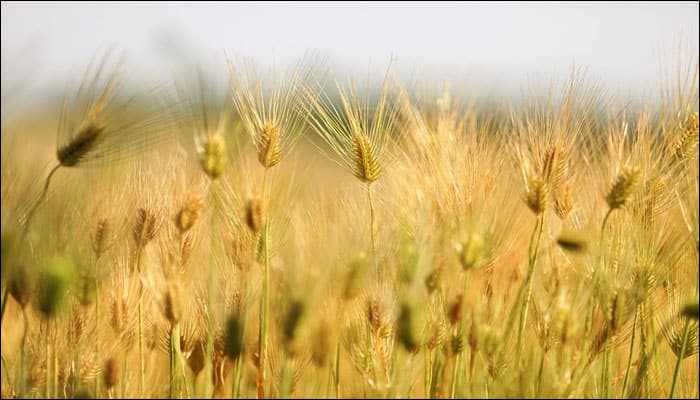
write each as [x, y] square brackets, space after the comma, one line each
[498, 44]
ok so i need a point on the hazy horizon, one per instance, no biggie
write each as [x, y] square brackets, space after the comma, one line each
[501, 46]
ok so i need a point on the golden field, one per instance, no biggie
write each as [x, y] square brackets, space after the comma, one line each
[291, 237]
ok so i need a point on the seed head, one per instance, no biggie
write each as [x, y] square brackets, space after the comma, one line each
[555, 166]
[688, 138]
[674, 337]
[212, 155]
[690, 311]
[321, 344]
[57, 279]
[269, 150]
[233, 336]
[473, 335]
[455, 311]
[290, 328]
[101, 236]
[85, 141]
[438, 329]
[255, 214]
[87, 290]
[406, 330]
[186, 247]
[361, 137]
[110, 373]
[120, 315]
[432, 281]
[536, 195]
[374, 315]
[146, 227]
[172, 308]
[563, 203]
[365, 163]
[457, 341]
[471, 251]
[624, 187]
[189, 213]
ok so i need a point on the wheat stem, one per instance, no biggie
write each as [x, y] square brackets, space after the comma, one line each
[539, 374]
[371, 227]
[175, 361]
[123, 379]
[20, 379]
[31, 212]
[681, 356]
[48, 360]
[264, 309]
[454, 375]
[79, 355]
[142, 362]
[605, 371]
[6, 369]
[532, 259]
[264, 301]
[209, 354]
[336, 370]
[237, 381]
[629, 357]
[55, 363]
[602, 228]
[428, 372]
[97, 333]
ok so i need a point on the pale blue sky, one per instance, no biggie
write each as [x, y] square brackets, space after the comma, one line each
[499, 44]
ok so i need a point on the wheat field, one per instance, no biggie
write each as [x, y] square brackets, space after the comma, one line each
[298, 235]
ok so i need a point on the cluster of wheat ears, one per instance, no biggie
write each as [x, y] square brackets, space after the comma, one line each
[535, 248]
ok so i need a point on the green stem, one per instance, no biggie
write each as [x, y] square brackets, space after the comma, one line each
[539, 375]
[183, 375]
[454, 375]
[239, 373]
[629, 357]
[681, 356]
[602, 228]
[645, 357]
[532, 259]
[209, 354]
[30, 213]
